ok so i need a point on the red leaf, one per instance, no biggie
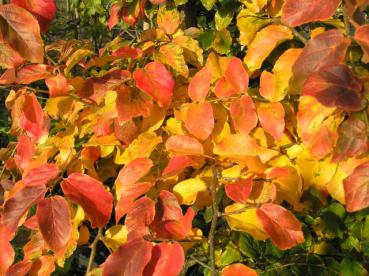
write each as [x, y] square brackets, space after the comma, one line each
[130, 259]
[325, 49]
[352, 140]
[240, 190]
[335, 86]
[7, 251]
[53, 217]
[139, 216]
[298, 12]
[45, 265]
[129, 194]
[200, 120]
[362, 37]
[167, 259]
[281, 225]
[199, 85]
[131, 104]
[57, 85]
[91, 195]
[24, 32]
[32, 118]
[236, 75]
[41, 175]
[43, 10]
[169, 207]
[33, 72]
[356, 188]
[271, 117]
[18, 204]
[155, 80]
[223, 89]
[114, 15]
[177, 164]
[243, 114]
[183, 145]
[181, 228]
[19, 269]
[25, 152]
[239, 270]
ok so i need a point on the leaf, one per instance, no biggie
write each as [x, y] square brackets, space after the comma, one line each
[130, 259]
[53, 218]
[43, 10]
[248, 24]
[91, 195]
[115, 236]
[245, 221]
[326, 49]
[208, 4]
[223, 16]
[172, 54]
[271, 117]
[361, 37]
[192, 52]
[155, 80]
[316, 127]
[9, 58]
[7, 252]
[222, 42]
[275, 86]
[41, 175]
[264, 43]
[188, 189]
[356, 189]
[25, 152]
[169, 207]
[281, 225]
[166, 259]
[177, 164]
[238, 269]
[298, 12]
[255, 6]
[236, 75]
[75, 58]
[335, 86]
[243, 114]
[57, 85]
[200, 120]
[199, 85]
[168, 19]
[22, 31]
[240, 190]
[183, 145]
[139, 216]
[352, 140]
[20, 268]
[45, 265]
[16, 206]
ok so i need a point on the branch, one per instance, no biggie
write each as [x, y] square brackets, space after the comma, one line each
[295, 32]
[239, 211]
[200, 262]
[346, 21]
[214, 182]
[93, 251]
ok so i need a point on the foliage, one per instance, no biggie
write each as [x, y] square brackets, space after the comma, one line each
[197, 137]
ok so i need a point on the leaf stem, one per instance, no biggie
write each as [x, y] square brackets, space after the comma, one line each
[214, 182]
[200, 262]
[93, 251]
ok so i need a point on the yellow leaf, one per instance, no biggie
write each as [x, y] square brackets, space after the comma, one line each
[115, 236]
[84, 235]
[232, 172]
[187, 190]
[264, 43]
[246, 221]
[168, 19]
[254, 6]
[249, 24]
[171, 54]
[174, 127]
[76, 57]
[192, 52]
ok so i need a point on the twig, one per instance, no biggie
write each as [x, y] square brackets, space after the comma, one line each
[346, 21]
[214, 182]
[295, 32]
[239, 211]
[200, 262]
[93, 251]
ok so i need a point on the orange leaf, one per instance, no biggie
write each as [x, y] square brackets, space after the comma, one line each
[155, 80]
[167, 259]
[362, 37]
[53, 217]
[7, 251]
[57, 85]
[20, 268]
[236, 75]
[243, 114]
[239, 270]
[356, 188]
[41, 175]
[25, 152]
[281, 225]
[169, 207]
[139, 216]
[199, 85]
[200, 120]
[298, 12]
[271, 117]
[240, 190]
[183, 145]
[91, 195]
[177, 164]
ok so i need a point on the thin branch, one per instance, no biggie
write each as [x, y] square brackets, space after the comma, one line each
[295, 32]
[200, 262]
[346, 21]
[214, 182]
[239, 211]
[93, 251]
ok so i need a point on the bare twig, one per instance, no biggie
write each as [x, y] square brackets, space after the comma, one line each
[200, 262]
[213, 225]
[93, 251]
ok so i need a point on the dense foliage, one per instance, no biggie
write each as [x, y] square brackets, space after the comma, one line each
[188, 137]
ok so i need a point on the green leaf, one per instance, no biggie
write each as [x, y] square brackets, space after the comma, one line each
[351, 267]
[223, 17]
[208, 4]
[228, 256]
[222, 42]
[249, 246]
[206, 39]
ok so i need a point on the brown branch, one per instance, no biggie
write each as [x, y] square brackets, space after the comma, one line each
[93, 251]
[214, 182]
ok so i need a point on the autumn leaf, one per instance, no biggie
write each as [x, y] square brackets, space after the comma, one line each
[281, 225]
[298, 12]
[8, 254]
[188, 189]
[168, 19]
[155, 80]
[271, 117]
[243, 114]
[199, 85]
[177, 164]
[335, 86]
[183, 145]
[139, 216]
[240, 190]
[238, 269]
[168, 206]
[361, 36]
[200, 120]
[91, 195]
[57, 85]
